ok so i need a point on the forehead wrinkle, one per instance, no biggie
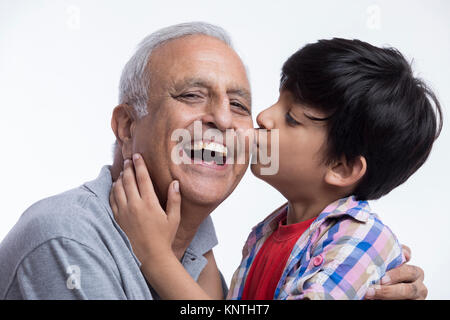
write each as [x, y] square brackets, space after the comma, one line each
[192, 82]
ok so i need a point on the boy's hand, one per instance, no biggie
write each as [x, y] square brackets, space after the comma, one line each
[137, 210]
[404, 282]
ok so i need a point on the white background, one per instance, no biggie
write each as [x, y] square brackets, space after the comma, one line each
[60, 63]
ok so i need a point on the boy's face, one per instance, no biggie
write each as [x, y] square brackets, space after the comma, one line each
[302, 145]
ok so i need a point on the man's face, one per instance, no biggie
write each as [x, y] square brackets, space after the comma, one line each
[193, 79]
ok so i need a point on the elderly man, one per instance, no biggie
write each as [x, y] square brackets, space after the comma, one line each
[69, 246]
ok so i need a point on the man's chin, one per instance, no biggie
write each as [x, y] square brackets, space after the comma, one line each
[203, 196]
[206, 192]
[207, 187]
[256, 170]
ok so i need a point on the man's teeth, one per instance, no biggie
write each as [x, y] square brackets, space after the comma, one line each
[211, 146]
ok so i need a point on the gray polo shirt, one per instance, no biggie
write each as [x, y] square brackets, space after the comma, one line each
[69, 247]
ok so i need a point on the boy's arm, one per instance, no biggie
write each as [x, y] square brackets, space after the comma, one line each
[151, 231]
[211, 280]
[403, 282]
[349, 263]
[172, 282]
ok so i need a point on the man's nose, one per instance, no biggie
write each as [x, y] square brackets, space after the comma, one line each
[219, 115]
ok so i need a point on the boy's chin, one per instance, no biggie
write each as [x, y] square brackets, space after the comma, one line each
[258, 171]
[275, 180]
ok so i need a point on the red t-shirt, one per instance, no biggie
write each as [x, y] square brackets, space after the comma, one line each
[269, 263]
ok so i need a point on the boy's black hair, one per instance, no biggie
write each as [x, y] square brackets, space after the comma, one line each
[376, 108]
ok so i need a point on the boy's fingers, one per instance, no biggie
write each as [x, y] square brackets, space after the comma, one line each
[144, 181]
[129, 181]
[119, 194]
[113, 204]
[173, 204]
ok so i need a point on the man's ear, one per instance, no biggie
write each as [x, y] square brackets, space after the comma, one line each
[123, 122]
[345, 173]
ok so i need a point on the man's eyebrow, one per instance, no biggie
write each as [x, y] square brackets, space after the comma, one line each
[192, 82]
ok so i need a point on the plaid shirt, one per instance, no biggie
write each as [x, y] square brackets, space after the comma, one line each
[346, 249]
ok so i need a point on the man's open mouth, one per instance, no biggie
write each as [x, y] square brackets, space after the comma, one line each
[210, 152]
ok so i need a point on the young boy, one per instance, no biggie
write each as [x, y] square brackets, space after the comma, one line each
[353, 124]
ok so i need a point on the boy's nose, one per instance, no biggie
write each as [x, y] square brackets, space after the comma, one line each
[264, 120]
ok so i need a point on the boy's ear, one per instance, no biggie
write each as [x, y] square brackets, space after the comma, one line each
[344, 173]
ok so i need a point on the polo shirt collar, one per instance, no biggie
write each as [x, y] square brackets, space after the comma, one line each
[101, 187]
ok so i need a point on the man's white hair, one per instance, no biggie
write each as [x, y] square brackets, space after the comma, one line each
[135, 80]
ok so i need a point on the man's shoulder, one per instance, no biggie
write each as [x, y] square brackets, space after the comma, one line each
[75, 214]
[66, 214]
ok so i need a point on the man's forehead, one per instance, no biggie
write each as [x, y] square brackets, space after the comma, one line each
[186, 46]
[199, 60]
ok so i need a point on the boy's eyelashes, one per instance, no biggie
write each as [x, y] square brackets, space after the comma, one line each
[290, 120]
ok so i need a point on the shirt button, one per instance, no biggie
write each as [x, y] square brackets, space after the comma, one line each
[318, 260]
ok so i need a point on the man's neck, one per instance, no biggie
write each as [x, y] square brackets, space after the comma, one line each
[117, 166]
[191, 218]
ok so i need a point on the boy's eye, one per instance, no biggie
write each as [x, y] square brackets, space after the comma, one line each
[290, 120]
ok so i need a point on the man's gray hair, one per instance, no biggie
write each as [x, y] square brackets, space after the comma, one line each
[135, 81]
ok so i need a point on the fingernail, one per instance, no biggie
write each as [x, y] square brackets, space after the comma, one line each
[125, 163]
[176, 186]
[386, 279]
[136, 156]
[370, 293]
[121, 173]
